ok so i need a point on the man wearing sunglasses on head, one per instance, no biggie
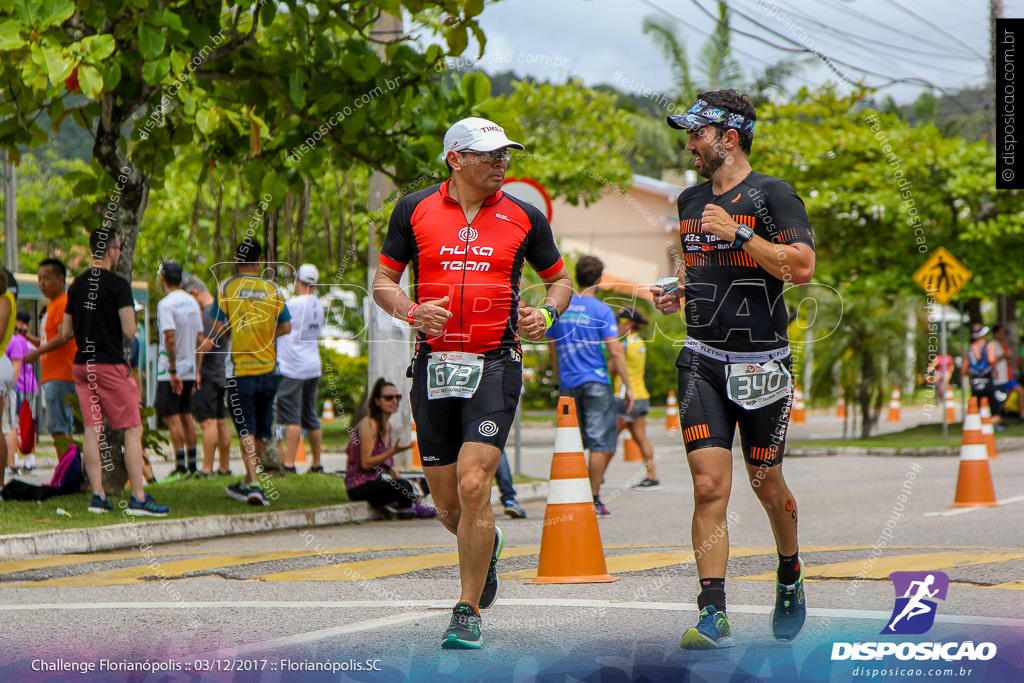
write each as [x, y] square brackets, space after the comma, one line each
[466, 241]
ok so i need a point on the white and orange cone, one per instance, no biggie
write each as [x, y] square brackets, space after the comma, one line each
[300, 451]
[672, 412]
[950, 407]
[988, 433]
[632, 451]
[894, 406]
[328, 415]
[974, 481]
[798, 414]
[570, 547]
[841, 407]
[417, 463]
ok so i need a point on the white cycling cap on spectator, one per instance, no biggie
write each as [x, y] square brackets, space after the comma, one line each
[308, 273]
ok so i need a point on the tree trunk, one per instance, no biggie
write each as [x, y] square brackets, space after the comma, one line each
[123, 210]
[270, 220]
[867, 378]
[301, 220]
[218, 244]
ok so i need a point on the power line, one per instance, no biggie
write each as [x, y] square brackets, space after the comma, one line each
[871, 53]
[939, 28]
[864, 39]
[828, 59]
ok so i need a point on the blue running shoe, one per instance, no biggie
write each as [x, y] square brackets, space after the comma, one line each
[710, 633]
[464, 630]
[790, 610]
[147, 508]
[100, 505]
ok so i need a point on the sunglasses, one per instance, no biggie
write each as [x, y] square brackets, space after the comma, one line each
[503, 156]
[391, 397]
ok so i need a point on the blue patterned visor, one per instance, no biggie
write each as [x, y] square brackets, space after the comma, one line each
[703, 114]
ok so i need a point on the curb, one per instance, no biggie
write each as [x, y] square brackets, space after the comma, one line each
[863, 450]
[131, 533]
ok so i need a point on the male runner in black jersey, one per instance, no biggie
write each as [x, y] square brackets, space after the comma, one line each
[467, 241]
[744, 235]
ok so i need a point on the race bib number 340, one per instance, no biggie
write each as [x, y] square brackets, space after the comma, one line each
[451, 374]
[753, 385]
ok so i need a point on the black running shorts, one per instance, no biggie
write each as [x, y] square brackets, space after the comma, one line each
[444, 424]
[708, 417]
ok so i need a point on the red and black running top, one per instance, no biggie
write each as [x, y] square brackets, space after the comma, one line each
[478, 266]
[732, 303]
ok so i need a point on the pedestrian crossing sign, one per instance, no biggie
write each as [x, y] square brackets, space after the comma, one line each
[942, 276]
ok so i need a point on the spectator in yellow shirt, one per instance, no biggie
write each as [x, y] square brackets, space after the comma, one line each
[630, 320]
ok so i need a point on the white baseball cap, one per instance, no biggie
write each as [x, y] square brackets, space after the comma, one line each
[308, 273]
[479, 135]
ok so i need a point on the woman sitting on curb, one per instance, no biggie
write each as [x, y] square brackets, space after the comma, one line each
[370, 474]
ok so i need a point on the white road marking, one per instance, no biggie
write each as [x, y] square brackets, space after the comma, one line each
[436, 606]
[963, 511]
[312, 636]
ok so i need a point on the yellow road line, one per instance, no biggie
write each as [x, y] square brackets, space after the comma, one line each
[883, 566]
[1017, 585]
[114, 577]
[13, 566]
[375, 569]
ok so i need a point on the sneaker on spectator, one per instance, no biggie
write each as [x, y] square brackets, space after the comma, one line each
[600, 509]
[147, 508]
[406, 513]
[100, 505]
[239, 491]
[647, 485]
[179, 474]
[256, 496]
[424, 511]
[514, 510]
[316, 469]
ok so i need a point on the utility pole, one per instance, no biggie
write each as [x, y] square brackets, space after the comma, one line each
[388, 341]
[10, 216]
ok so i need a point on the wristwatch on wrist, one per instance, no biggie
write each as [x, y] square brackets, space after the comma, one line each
[553, 312]
[743, 234]
[172, 371]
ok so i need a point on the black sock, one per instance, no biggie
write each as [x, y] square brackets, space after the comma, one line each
[179, 460]
[789, 569]
[192, 459]
[712, 592]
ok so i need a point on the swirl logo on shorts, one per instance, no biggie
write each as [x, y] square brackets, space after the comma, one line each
[488, 428]
[468, 234]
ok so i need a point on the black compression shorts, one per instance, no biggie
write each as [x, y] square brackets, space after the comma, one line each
[708, 417]
[444, 424]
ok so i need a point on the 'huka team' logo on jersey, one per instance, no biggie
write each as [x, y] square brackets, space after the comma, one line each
[466, 263]
[914, 612]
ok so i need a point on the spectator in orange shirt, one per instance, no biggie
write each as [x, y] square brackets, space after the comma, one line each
[56, 354]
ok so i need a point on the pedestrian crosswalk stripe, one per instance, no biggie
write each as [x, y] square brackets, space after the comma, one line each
[883, 566]
[14, 566]
[642, 561]
[375, 569]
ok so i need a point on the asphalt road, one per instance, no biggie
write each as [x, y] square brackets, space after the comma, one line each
[271, 607]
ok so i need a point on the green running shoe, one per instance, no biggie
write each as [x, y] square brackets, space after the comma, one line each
[464, 630]
[710, 633]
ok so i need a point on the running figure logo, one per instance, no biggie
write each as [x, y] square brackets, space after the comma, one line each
[913, 612]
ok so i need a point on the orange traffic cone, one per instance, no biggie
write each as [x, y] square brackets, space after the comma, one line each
[417, 463]
[841, 407]
[632, 449]
[300, 452]
[328, 415]
[798, 415]
[894, 406]
[950, 407]
[987, 431]
[570, 547]
[671, 412]
[974, 482]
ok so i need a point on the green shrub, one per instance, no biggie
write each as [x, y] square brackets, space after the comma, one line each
[343, 381]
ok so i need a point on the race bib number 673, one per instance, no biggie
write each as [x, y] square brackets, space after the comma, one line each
[753, 385]
[451, 374]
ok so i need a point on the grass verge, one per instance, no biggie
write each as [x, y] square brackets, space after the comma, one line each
[921, 436]
[188, 498]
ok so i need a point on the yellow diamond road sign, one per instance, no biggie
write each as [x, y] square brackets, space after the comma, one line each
[942, 276]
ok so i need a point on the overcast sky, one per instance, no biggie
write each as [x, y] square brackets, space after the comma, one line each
[601, 41]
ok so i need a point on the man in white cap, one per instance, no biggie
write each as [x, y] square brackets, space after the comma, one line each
[299, 356]
[467, 242]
